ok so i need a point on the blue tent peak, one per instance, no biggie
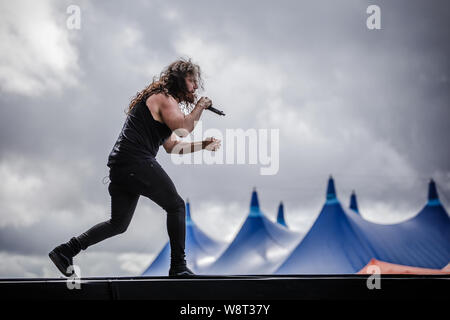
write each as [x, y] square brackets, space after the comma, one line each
[254, 205]
[280, 215]
[353, 202]
[331, 192]
[433, 198]
[188, 213]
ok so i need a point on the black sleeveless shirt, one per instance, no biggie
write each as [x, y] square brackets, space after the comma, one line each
[140, 137]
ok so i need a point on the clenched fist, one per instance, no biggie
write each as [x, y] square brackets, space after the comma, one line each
[204, 102]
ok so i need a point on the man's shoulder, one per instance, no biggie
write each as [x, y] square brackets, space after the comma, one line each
[161, 104]
[162, 99]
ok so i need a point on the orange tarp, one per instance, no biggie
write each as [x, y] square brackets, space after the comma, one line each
[391, 268]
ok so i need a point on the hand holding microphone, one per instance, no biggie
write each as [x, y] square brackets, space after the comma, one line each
[206, 104]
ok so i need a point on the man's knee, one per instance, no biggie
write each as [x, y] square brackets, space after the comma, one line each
[176, 206]
[119, 227]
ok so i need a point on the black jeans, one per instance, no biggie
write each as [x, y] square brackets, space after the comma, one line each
[148, 179]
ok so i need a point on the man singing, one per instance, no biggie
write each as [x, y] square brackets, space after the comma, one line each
[153, 118]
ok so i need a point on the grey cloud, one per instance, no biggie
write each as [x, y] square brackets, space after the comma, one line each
[356, 88]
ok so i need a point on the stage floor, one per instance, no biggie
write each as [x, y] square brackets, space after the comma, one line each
[255, 288]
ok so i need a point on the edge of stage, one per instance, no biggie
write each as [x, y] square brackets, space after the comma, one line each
[231, 288]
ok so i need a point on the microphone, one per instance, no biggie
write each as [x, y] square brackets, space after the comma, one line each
[220, 113]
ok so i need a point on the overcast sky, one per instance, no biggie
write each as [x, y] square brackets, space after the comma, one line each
[370, 107]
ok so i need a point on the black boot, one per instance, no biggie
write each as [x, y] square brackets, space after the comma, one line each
[180, 271]
[178, 266]
[62, 255]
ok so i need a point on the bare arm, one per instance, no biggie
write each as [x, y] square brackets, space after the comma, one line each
[172, 116]
[187, 147]
[179, 147]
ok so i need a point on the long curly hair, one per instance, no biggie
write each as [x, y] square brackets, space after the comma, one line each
[171, 81]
